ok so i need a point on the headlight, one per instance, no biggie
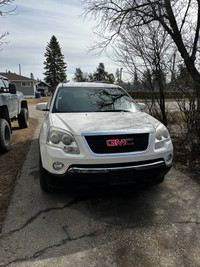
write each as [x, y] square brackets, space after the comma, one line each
[161, 136]
[62, 139]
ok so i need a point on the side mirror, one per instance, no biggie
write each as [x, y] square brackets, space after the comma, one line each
[43, 106]
[142, 106]
[12, 88]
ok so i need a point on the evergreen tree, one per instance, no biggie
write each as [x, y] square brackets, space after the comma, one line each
[54, 64]
[79, 76]
[90, 77]
[102, 75]
[110, 78]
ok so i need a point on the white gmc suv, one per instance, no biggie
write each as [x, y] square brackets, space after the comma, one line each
[96, 133]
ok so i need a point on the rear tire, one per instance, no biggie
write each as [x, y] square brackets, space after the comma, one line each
[5, 136]
[23, 118]
[43, 180]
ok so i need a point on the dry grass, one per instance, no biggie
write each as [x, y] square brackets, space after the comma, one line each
[11, 163]
[38, 100]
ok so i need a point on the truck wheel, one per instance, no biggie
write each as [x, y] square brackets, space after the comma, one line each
[43, 183]
[23, 118]
[5, 136]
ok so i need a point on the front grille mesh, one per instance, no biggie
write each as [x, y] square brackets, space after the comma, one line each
[118, 143]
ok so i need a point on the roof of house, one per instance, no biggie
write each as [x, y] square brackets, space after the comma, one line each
[15, 77]
[41, 83]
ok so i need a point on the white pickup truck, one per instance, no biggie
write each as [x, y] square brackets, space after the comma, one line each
[12, 107]
[96, 133]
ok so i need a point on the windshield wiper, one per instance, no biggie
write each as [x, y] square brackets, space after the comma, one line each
[115, 110]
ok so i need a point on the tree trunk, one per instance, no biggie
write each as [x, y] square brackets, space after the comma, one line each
[197, 119]
[189, 62]
[162, 107]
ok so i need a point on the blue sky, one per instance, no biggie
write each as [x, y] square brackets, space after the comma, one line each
[31, 29]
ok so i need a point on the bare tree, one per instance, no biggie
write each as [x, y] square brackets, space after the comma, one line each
[148, 49]
[4, 11]
[179, 18]
[187, 105]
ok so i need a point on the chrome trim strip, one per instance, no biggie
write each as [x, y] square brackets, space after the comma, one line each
[105, 170]
[112, 132]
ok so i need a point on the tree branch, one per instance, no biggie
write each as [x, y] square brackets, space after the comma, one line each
[6, 3]
[196, 39]
[175, 33]
[184, 18]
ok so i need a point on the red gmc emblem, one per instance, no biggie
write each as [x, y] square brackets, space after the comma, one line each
[122, 142]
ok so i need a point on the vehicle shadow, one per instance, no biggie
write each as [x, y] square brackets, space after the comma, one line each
[59, 224]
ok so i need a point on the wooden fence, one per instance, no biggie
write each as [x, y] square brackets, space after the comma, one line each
[168, 95]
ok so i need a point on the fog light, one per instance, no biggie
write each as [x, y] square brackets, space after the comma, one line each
[57, 166]
[169, 157]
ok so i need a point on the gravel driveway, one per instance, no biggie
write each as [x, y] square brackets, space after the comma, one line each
[158, 226]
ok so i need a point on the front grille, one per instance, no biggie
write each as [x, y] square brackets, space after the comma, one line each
[118, 143]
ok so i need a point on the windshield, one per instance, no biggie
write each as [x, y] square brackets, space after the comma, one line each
[93, 99]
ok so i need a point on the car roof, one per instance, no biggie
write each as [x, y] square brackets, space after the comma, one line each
[88, 84]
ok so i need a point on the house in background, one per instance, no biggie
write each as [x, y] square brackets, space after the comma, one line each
[43, 88]
[26, 85]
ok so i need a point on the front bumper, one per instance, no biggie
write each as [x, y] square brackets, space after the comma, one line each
[88, 169]
[140, 173]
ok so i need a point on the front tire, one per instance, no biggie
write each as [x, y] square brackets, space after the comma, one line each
[5, 136]
[23, 118]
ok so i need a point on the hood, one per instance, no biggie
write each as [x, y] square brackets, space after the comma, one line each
[80, 123]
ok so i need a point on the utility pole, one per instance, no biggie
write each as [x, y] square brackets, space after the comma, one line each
[121, 75]
[19, 69]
